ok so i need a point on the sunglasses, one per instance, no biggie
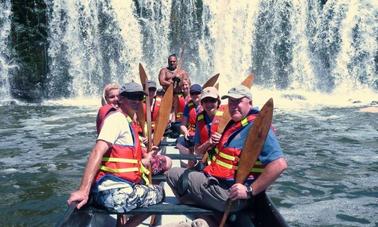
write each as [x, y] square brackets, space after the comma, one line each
[135, 96]
[195, 93]
[205, 100]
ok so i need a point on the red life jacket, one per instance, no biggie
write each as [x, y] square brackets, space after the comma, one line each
[154, 110]
[226, 159]
[123, 161]
[203, 128]
[191, 124]
[102, 113]
[180, 108]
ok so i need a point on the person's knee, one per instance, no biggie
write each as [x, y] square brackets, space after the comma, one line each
[173, 175]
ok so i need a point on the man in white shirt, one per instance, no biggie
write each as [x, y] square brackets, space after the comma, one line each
[114, 171]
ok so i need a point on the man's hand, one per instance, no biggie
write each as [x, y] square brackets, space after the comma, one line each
[79, 196]
[215, 137]
[238, 191]
[186, 135]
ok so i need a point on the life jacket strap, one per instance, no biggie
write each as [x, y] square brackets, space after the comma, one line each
[124, 160]
[145, 172]
[124, 170]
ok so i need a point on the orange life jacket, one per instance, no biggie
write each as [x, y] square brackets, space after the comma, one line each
[180, 108]
[102, 113]
[154, 110]
[191, 124]
[123, 161]
[226, 159]
[203, 128]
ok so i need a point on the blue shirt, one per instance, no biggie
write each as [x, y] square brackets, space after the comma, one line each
[271, 149]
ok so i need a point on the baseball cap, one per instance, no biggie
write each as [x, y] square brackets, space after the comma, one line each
[238, 92]
[151, 84]
[131, 87]
[195, 88]
[210, 92]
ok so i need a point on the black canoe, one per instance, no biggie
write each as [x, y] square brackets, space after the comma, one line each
[262, 213]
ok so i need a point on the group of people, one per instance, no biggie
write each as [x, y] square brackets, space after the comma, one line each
[115, 174]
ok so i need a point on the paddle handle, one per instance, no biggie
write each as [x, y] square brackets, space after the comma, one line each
[226, 212]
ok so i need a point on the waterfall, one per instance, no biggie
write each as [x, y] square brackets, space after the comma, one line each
[287, 44]
[5, 55]
[230, 29]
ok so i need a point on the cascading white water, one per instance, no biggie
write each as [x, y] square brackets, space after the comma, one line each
[74, 47]
[5, 58]
[230, 28]
[288, 44]
[355, 64]
[154, 18]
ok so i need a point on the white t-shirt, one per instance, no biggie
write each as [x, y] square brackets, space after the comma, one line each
[116, 130]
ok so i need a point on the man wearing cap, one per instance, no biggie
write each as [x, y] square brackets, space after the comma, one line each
[185, 143]
[212, 187]
[114, 171]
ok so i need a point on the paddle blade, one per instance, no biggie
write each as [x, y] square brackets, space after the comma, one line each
[224, 120]
[248, 82]
[212, 81]
[141, 116]
[163, 115]
[255, 141]
[142, 75]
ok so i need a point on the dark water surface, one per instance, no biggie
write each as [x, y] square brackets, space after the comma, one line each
[332, 153]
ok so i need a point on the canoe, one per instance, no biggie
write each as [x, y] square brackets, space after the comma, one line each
[262, 213]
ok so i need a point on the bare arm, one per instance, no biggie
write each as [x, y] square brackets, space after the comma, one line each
[164, 80]
[93, 165]
[202, 148]
[271, 172]
[183, 127]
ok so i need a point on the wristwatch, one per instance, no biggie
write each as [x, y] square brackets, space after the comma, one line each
[250, 191]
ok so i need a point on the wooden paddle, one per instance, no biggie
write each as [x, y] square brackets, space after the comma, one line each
[223, 121]
[248, 82]
[140, 112]
[163, 115]
[211, 82]
[143, 80]
[176, 85]
[252, 148]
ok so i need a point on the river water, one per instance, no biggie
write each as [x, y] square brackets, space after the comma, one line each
[331, 150]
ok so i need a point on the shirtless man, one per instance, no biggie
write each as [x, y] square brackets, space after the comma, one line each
[171, 74]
